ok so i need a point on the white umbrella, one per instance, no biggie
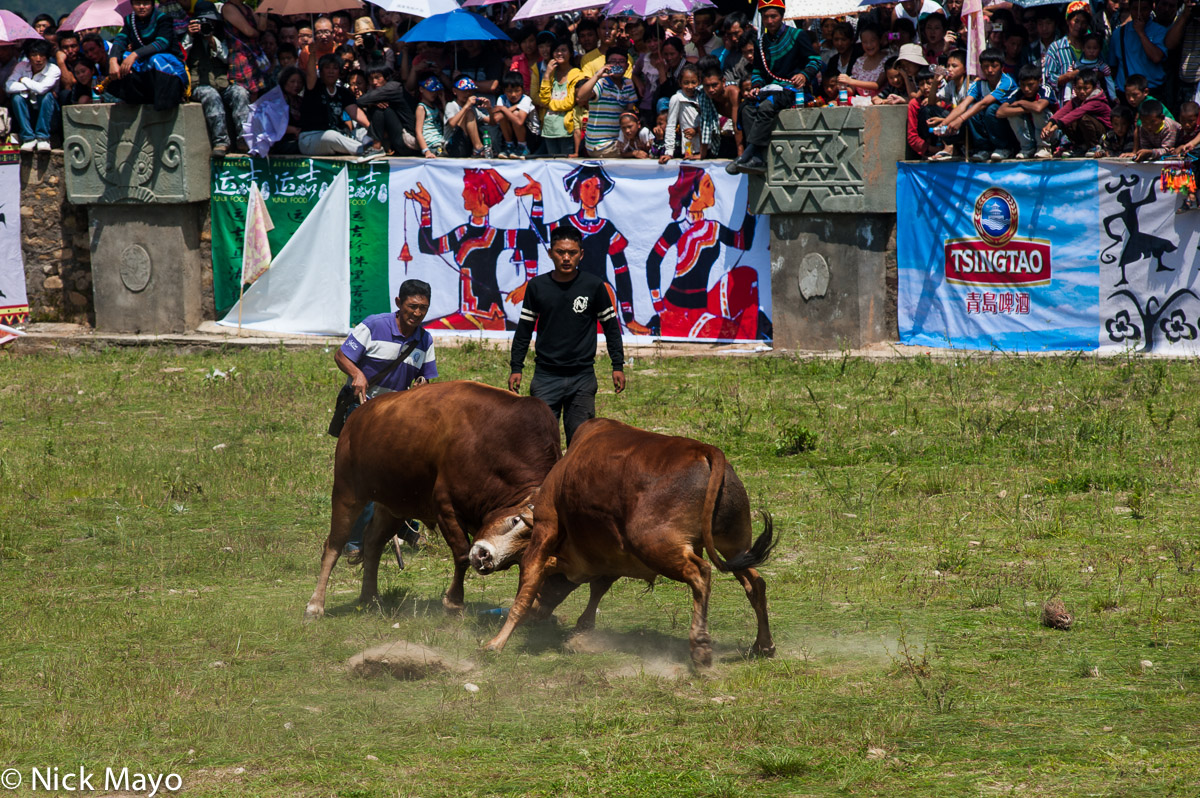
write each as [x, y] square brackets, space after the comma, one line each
[820, 9]
[287, 7]
[417, 8]
[548, 8]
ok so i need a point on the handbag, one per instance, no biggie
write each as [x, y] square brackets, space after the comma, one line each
[347, 402]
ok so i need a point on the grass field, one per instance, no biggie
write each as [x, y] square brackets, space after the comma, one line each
[160, 537]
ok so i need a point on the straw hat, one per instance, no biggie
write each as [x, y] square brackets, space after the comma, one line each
[365, 25]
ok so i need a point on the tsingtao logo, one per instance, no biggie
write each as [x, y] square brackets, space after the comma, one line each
[996, 216]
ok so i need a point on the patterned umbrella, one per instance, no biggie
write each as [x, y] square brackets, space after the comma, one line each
[544, 8]
[287, 7]
[648, 8]
[820, 9]
[418, 8]
[14, 29]
[97, 14]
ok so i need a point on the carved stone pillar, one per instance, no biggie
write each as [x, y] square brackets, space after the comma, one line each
[145, 176]
[830, 188]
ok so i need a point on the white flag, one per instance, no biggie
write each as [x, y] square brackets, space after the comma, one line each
[256, 248]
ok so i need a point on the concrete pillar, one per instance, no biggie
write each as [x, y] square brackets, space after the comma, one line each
[145, 175]
[830, 188]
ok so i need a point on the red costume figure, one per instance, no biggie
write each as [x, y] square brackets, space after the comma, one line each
[588, 184]
[477, 248]
[689, 309]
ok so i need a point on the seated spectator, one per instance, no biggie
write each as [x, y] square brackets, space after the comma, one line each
[659, 131]
[704, 39]
[31, 89]
[1137, 92]
[1046, 22]
[846, 52]
[95, 49]
[67, 49]
[1118, 142]
[208, 69]
[322, 128]
[990, 138]
[356, 81]
[894, 92]
[922, 111]
[1084, 119]
[634, 141]
[608, 94]
[1189, 121]
[910, 61]
[1190, 150]
[785, 63]
[288, 57]
[1027, 110]
[1156, 135]
[465, 115]
[1057, 71]
[1093, 44]
[1015, 41]
[866, 77]
[431, 139]
[142, 66]
[558, 97]
[291, 84]
[84, 90]
[391, 110]
[515, 115]
[691, 119]
[934, 43]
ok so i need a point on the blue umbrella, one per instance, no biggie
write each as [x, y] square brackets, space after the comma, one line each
[454, 26]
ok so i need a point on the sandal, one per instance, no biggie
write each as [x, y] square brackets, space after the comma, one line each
[941, 156]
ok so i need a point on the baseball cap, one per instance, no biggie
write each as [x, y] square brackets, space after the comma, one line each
[465, 84]
[431, 83]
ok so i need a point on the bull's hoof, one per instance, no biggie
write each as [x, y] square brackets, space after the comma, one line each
[453, 607]
[765, 652]
[313, 613]
[495, 646]
[702, 657]
[585, 624]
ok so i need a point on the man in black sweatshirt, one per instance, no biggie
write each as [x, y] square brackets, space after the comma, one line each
[565, 306]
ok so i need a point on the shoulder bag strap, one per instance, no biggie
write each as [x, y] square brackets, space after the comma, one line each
[404, 353]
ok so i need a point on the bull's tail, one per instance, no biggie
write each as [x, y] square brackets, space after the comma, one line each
[760, 551]
[716, 479]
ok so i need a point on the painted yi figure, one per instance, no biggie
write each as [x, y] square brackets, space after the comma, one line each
[477, 249]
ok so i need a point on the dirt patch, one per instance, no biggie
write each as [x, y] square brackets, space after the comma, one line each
[404, 660]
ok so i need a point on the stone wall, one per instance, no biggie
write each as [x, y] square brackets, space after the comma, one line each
[54, 242]
[57, 250]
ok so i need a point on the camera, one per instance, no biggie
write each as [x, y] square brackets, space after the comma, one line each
[207, 26]
[369, 42]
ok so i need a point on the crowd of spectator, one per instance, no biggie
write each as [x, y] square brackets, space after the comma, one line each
[1118, 78]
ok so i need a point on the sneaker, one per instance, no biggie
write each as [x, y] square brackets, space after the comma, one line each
[29, 146]
[1043, 153]
[521, 152]
[1024, 156]
[220, 150]
[43, 145]
[754, 166]
[733, 168]
[1001, 155]
[943, 155]
[505, 151]
[980, 157]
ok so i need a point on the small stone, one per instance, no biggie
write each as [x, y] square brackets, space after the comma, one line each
[1146, 665]
[288, 726]
[876, 753]
[1107, 728]
[219, 447]
[227, 549]
[27, 211]
[77, 299]
[217, 664]
[53, 283]
[471, 688]
[372, 758]
[974, 543]
[1002, 494]
[191, 751]
[1094, 672]
[238, 771]
[396, 625]
[82, 281]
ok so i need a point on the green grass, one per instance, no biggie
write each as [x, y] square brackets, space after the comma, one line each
[152, 588]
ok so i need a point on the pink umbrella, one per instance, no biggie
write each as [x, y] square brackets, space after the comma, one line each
[287, 7]
[14, 29]
[542, 8]
[97, 14]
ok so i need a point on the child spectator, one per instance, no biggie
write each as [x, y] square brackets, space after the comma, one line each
[1155, 135]
[691, 114]
[1093, 44]
[954, 89]
[866, 75]
[464, 115]
[1136, 93]
[287, 56]
[634, 141]
[909, 62]
[558, 98]
[1190, 150]
[1118, 142]
[1027, 110]
[894, 91]
[660, 130]
[921, 110]
[430, 138]
[1189, 121]
[1084, 119]
[608, 94]
[31, 88]
[990, 137]
[515, 115]
[1016, 38]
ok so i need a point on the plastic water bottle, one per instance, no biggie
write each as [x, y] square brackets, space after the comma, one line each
[498, 612]
[486, 138]
[843, 96]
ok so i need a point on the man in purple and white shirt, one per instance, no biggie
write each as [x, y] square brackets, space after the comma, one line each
[373, 346]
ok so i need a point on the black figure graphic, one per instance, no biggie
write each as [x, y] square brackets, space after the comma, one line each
[1175, 327]
[1137, 245]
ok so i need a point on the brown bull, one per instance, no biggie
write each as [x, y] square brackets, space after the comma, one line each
[626, 502]
[457, 455]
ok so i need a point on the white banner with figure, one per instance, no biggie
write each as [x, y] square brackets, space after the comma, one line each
[14, 303]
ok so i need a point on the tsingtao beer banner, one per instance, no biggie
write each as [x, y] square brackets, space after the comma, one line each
[683, 258]
[1060, 255]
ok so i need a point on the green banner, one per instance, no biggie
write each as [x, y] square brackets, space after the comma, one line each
[291, 188]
